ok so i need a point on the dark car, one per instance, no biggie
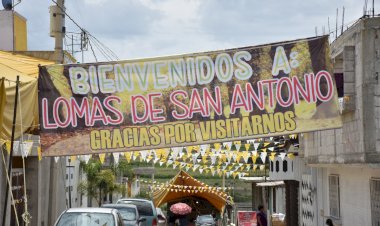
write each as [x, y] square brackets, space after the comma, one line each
[205, 220]
[145, 208]
[129, 213]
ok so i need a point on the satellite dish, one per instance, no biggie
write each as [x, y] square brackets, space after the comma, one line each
[7, 4]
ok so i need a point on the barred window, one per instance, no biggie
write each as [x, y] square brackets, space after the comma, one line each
[334, 196]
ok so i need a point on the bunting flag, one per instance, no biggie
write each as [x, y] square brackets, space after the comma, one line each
[102, 157]
[237, 145]
[263, 156]
[39, 153]
[256, 145]
[86, 158]
[56, 159]
[116, 156]
[217, 146]
[282, 155]
[25, 147]
[228, 145]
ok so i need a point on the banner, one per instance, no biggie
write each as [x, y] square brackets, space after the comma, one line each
[247, 218]
[222, 96]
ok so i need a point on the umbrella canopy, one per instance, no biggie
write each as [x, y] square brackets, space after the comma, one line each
[180, 208]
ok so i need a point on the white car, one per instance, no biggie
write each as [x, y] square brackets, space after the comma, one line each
[90, 217]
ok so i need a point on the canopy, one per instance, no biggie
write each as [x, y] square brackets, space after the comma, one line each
[11, 66]
[165, 195]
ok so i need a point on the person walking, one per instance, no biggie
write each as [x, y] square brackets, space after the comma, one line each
[261, 216]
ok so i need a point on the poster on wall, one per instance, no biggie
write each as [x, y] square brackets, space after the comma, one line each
[247, 218]
[243, 93]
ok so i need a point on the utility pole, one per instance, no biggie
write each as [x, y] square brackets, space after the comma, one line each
[57, 28]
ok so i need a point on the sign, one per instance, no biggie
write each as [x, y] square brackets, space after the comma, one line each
[243, 93]
[247, 218]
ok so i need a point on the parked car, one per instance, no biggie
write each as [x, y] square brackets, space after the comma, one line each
[205, 220]
[128, 212]
[90, 217]
[161, 217]
[145, 208]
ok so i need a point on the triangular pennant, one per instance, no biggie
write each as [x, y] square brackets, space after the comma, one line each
[247, 146]
[272, 155]
[282, 155]
[86, 158]
[102, 157]
[25, 147]
[116, 157]
[39, 153]
[56, 159]
[263, 156]
[256, 145]
[217, 146]
[228, 145]
[128, 156]
[291, 156]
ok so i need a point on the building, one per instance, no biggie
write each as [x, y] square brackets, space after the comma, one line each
[343, 181]
[44, 178]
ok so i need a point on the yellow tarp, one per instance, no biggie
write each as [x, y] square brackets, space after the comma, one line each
[11, 66]
[165, 195]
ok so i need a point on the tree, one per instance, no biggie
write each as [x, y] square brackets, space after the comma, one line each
[99, 183]
[124, 169]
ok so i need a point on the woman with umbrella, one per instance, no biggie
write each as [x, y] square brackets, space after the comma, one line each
[181, 209]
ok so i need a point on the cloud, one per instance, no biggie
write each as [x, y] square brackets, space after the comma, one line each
[145, 28]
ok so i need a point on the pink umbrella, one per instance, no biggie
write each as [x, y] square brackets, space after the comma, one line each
[180, 208]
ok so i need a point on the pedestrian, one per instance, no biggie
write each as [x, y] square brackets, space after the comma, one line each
[261, 216]
[329, 222]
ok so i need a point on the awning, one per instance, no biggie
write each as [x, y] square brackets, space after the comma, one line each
[165, 195]
[270, 184]
[11, 66]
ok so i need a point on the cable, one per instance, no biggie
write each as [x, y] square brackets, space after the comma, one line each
[93, 51]
[90, 35]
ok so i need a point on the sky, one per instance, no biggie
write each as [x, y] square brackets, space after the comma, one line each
[147, 28]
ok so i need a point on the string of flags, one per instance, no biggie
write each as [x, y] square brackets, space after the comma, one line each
[227, 158]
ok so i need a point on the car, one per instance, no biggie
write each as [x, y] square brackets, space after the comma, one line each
[90, 217]
[161, 217]
[145, 208]
[205, 220]
[128, 212]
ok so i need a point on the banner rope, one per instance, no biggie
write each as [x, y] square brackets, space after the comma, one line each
[26, 215]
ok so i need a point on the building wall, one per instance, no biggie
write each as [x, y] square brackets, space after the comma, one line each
[13, 32]
[355, 202]
[357, 54]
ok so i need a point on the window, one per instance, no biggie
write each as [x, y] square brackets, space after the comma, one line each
[334, 196]
[375, 201]
[285, 166]
[339, 84]
[277, 166]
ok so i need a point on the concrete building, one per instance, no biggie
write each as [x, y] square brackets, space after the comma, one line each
[45, 182]
[343, 181]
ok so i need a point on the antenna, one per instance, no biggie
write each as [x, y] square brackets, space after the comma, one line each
[328, 23]
[336, 24]
[316, 31]
[342, 21]
[365, 7]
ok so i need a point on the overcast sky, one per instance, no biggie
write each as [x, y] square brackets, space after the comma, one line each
[146, 28]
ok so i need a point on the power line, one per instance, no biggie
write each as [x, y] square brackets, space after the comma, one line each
[105, 51]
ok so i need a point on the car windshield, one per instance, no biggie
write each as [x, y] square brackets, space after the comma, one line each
[145, 208]
[205, 219]
[86, 219]
[128, 214]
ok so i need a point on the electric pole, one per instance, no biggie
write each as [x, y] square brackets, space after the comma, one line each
[57, 28]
